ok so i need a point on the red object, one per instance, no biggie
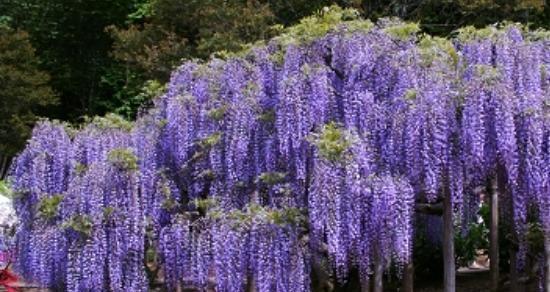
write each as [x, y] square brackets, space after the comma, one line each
[7, 279]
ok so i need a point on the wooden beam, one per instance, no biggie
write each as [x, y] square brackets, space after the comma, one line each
[427, 208]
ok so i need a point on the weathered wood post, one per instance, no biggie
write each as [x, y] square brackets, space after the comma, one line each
[365, 285]
[493, 233]
[547, 261]
[408, 278]
[378, 273]
[449, 278]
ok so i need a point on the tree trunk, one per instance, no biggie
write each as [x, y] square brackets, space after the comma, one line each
[408, 278]
[493, 233]
[448, 245]
[378, 273]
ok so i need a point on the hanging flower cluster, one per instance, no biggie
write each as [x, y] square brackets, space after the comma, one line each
[317, 144]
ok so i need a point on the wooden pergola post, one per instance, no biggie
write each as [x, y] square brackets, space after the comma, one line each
[547, 261]
[408, 278]
[493, 233]
[449, 278]
[378, 273]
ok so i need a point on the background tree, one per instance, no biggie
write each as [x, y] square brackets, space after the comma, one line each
[101, 53]
[163, 32]
[24, 92]
[72, 46]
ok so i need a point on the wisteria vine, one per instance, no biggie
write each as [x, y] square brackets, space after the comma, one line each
[317, 144]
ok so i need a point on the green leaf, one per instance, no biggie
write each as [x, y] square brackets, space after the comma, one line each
[272, 178]
[48, 207]
[210, 141]
[123, 158]
[81, 224]
[112, 121]
[217, 114]
[332, 142]
[403, 31]
[5, 190]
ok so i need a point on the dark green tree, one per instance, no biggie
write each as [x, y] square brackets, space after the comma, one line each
[24, 92]
[72, 45]
[163, 32]
[101, 53]
[442, 17]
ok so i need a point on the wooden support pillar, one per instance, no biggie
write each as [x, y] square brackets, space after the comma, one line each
[365, 285]
[547, 262]
[408, 278]
[378, 274]
[449, 278]
[514, 282]
[493, 234]
[250, 284]
[321, 280]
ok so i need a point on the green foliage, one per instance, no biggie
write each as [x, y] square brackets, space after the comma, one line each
[535, 236]
[489, 74]
[48, 207]
[123, 158]
[206, 174]
[410, 95]
[291, 11]
[210, 141]
[169, 204]
[150, 255]
[128, 91]
[332, 142]
[403, 31]
[108, 213]
[102, 53]
[72, 46]
[258, 213]
[81, 224]
[476, 238]
[432, 48]
[150, 51]
[218, 113]
[112, 121]
[149, 91]
[267, 117]
[80, 168]
[272, 178]
[5, 21]
[471, 33]
[443, 17]
[316, 26]
[175, 29]
[205, 205]
[24, 89]
[287, 216]
[142, 11]
[5, 190]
